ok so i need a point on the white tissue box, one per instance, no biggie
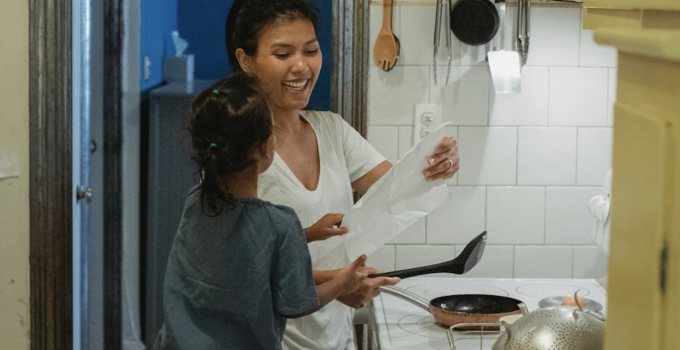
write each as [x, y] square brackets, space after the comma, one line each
[178, 68]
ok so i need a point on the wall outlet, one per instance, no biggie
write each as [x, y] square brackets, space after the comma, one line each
[426, 118]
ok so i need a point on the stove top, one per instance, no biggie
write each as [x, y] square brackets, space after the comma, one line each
[399, 324]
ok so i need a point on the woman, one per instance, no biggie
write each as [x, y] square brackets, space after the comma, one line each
[319, 158]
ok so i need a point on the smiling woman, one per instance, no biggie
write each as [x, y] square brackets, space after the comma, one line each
[289, 57]
[320, 159]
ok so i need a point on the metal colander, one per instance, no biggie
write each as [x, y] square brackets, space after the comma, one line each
[554, 328]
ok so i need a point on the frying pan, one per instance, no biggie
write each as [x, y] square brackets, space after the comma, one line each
[474, 22]
[461, 264]
[463, 308]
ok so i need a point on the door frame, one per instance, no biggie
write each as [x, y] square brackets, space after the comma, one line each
[350, 57]
[50, 194]
[51, 186]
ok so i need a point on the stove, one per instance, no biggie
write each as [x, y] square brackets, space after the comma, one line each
[398, 324]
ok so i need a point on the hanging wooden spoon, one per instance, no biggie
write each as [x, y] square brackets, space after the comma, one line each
[386, 51]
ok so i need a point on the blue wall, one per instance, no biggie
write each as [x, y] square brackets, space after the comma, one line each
[201, 23]
[159, 18]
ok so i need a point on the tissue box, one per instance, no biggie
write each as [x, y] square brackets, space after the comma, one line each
[178, 68]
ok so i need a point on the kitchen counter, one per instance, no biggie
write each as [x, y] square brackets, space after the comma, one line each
[398, 324]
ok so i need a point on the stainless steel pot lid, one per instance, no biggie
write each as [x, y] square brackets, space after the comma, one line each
[557, 301]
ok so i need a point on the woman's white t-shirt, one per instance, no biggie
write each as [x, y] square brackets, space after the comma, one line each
[345, 156]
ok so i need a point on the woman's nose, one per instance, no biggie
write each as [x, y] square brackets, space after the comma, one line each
[300, 64]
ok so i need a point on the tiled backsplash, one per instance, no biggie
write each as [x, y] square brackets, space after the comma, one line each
[529, 163]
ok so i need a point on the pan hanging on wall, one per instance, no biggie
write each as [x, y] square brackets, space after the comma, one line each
[474, 22]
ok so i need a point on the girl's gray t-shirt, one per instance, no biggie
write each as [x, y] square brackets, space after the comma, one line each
[232, 279]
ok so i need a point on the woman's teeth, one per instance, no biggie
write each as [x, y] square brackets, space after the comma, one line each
[295, 86]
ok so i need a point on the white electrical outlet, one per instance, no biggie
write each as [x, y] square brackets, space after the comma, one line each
[427, 118]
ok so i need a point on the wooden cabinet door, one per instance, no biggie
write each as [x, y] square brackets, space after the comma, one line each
[638, 230]
[647, 4]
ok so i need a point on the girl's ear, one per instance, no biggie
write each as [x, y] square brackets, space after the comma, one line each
[244, 60]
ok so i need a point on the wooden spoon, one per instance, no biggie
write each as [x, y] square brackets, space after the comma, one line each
[386, 51]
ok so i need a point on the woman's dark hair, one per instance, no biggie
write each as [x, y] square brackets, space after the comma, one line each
[230, 120]
[248, 19]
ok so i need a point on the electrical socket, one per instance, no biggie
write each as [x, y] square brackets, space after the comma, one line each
[426, 118]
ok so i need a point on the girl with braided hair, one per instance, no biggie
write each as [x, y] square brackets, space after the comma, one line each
[239, 266]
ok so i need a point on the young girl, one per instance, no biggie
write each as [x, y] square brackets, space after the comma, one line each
[239, 266]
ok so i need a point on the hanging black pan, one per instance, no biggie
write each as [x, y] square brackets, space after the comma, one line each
[474, 22]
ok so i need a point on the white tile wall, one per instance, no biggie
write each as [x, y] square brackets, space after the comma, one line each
[473, 55]
[515, 215]
[460, 219]
[405, 140]
[497, 262]
[589, 262]
[466, 97]
[578, 97]
[567, 219]
[612, 96]
[383, 258]
[488, 156]
[555, 35]
[527, 108]
[529, 162]
[593, 54]
[543, 262]
[384, 139]
[413, 31]
[546, 156]
[594, 155]
[408, 85]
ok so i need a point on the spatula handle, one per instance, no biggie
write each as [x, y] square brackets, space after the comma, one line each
[416, 271]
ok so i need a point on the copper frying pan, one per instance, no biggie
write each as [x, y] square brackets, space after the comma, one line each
[464, 308]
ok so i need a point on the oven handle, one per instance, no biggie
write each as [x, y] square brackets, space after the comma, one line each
[407, 296]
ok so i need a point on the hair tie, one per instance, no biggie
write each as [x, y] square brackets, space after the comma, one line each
[216, 92]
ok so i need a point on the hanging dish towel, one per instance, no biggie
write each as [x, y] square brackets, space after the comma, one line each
[599, 207]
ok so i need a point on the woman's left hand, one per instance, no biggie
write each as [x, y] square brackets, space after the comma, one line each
[444, 162]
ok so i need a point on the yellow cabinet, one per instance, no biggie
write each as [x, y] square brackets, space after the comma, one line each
[644, 266]
[641, 4]
[631, 14]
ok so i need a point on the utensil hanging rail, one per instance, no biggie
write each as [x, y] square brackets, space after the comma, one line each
[536, 3]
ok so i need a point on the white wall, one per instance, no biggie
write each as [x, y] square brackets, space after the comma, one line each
[529, 162]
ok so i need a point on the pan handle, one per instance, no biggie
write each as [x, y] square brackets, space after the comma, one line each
[407, 296]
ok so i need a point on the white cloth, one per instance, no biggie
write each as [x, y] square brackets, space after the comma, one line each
[396, 201]
[345, 156]
[599, 207]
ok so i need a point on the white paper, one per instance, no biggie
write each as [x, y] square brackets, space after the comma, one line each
[9, 165]
[396, 201]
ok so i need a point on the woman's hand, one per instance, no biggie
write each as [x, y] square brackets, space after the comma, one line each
[327, 227]
[444, 162]
[369, 289]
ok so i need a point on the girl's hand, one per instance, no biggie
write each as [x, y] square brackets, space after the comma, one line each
[327, 227]
[352, 276]
[444, 162]
[369, 289]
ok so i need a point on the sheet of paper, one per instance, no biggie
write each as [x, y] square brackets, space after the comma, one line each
[396, 201]
[9, 165]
